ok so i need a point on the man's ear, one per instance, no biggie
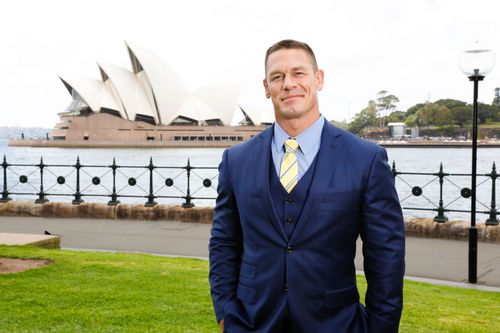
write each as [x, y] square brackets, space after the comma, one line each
[320, 76]
[266, 88]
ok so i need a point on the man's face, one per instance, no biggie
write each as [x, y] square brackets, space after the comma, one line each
[292, 83]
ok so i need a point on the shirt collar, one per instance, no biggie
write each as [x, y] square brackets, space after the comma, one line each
[307, 139]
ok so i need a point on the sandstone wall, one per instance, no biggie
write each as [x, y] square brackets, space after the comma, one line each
[415, 227]
[103, 211]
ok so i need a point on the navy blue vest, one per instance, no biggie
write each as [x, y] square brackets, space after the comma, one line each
[289, 205]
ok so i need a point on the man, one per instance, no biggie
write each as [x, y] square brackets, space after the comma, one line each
[291, 203]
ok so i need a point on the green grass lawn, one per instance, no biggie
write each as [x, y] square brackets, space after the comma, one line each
[109, 292]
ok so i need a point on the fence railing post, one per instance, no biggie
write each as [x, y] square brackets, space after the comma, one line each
[394, 171]
[440, 217]
[114, 195]
[5, 192]
[492, 220]
[41, 196]
[151, 197]
[78, 196]
[188, 203]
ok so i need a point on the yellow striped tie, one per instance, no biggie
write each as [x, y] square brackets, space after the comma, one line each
[289, 169]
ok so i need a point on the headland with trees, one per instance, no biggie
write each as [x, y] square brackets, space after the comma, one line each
[449, 118]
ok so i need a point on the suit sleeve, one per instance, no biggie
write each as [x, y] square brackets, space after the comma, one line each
[383, 238]
[225, 247]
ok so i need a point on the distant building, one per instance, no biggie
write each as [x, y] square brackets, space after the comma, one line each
[415, 132]
[150, 102]
[397, 130]
[400, 131]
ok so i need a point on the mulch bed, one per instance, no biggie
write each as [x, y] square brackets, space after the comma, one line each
[13, 265]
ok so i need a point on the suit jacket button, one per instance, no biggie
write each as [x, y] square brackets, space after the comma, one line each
[289, 220]
[288, 200]
[289, 249]
[285, 288]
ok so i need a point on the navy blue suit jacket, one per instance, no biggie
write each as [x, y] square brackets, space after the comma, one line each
[251, 258]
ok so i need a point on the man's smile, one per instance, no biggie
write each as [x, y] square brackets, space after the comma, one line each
[291, 97]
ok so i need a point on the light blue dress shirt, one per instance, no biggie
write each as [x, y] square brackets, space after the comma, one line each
[309, 142]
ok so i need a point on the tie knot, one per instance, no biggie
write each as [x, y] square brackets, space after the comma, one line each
[291, 145]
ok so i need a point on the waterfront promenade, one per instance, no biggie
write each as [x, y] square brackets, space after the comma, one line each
[443, 260]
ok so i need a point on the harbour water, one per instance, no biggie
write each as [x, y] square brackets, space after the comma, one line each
[422, 160]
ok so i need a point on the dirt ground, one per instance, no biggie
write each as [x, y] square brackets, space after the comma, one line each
[12, 265]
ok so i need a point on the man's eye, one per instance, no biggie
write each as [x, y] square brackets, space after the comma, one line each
[300, 74]
[276, 77]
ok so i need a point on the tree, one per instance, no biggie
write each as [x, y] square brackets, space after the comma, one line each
[497, 114]
[396, 116]
[432, 114]
[450, 103]
[442, 116]
[486, 112]
[385, 103]
[411, 120]
[423, 116]
[365, 118]
[412, 110]
[462, 115]
[496, 100]
[440, 113]
[340, 124]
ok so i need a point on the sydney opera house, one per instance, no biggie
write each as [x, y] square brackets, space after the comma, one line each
[148, 105]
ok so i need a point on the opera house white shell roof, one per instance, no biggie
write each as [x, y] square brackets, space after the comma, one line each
[152, 92]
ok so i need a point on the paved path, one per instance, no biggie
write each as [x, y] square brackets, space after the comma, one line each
[426, 258]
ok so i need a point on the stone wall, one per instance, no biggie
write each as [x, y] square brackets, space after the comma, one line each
[415, 227]
[455, 230]
[103, 211]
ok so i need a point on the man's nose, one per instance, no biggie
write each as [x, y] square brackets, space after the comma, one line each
[289, 82]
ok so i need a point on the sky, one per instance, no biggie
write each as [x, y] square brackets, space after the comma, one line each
[408, 48]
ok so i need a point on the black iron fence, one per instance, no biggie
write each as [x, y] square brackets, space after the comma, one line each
[418, 191]
[431, 190]
[112, 182]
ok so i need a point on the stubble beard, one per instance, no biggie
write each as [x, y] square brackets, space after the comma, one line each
[289, 113]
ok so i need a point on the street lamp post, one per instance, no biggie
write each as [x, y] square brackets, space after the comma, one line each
[475, 62]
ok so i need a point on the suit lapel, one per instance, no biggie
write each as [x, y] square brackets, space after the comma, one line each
[262, 153]
[327, 160]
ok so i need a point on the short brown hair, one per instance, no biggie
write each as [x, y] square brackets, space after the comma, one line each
[291, 44]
